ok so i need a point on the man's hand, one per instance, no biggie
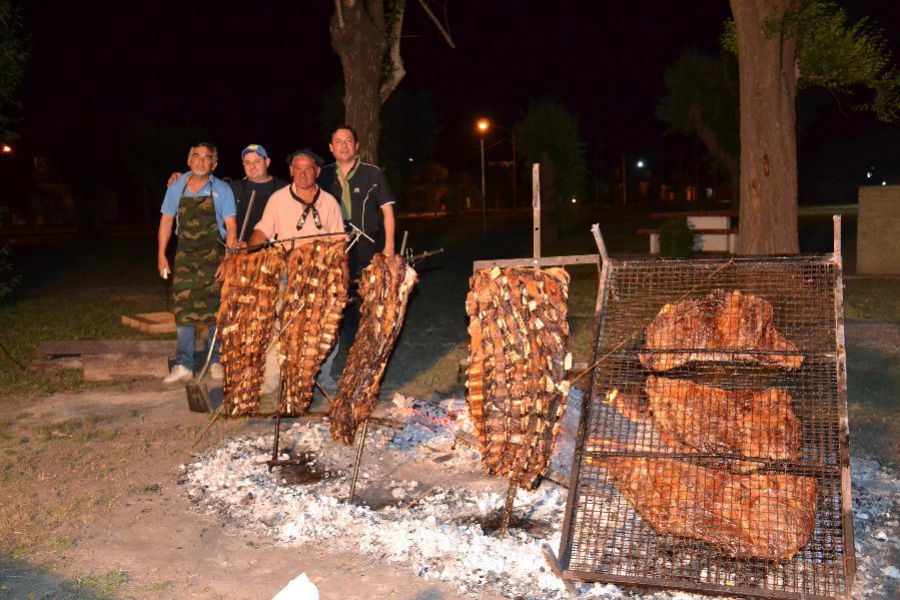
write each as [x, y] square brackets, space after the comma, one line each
[173, 178]
[224, 269]
[162, 264]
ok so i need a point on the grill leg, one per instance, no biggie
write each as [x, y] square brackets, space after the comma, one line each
[359, 453]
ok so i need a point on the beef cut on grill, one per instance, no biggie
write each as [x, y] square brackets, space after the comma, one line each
[723, 326]
[753, 423]
[314, 300]
[517, 367]
[246, 316]
[385, 286]
[762, 515]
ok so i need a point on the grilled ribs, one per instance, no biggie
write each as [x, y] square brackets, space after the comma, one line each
[314, 300]
[763, 515]
[517, 367]
[721, 327]
[246, 315]
[385, 286]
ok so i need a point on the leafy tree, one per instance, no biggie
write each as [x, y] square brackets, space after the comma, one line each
[782, 44]
[549, 134]
[13, 54]
[702, 99]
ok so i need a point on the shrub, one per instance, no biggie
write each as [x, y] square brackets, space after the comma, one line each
[676, 239]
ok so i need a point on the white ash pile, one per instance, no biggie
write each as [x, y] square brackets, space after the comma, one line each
[443, 532]
[876, 520]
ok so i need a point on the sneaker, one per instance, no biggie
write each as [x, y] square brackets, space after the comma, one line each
[178, 373]
[215, 372]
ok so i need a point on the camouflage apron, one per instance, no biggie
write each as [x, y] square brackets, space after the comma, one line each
[196, 260]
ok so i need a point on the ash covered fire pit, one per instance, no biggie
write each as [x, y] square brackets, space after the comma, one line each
[715, 449]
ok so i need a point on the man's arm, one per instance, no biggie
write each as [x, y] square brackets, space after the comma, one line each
[230, 241]
[257, 237]
[390, 225]
[162, 241]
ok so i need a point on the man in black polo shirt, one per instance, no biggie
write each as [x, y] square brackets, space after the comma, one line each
[367, 202]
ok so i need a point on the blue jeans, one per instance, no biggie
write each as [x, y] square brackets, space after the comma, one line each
[184, 355]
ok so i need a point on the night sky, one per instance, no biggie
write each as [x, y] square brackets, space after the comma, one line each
[256, 72]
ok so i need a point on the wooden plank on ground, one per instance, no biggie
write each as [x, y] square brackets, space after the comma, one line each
[83, 347]
[158, 322]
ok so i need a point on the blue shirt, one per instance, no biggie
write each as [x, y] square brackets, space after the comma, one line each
[223, 199]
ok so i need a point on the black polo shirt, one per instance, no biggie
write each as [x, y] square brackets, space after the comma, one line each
[369, 191]
[242, 189]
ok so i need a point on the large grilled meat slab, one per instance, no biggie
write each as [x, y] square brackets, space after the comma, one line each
[721, 327]
[314, 300]
[763, 515]
[385, 286]
[753, 423]
[246, 316]
[516, 377]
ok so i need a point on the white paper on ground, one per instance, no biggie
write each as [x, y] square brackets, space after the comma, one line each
[300, 588]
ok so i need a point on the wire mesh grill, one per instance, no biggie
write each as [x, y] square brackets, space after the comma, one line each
[714, 456]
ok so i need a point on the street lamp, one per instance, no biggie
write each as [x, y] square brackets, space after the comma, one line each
[7, 149]
[483, 125]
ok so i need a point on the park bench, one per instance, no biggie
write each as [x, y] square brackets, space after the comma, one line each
[714, 230]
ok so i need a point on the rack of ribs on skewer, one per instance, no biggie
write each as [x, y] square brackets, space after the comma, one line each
[314, 301]
[246, 316]
[385, 286]
[517, 367]
[720, 327]
[761, 515]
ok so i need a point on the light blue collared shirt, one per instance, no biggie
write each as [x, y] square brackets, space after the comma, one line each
[223, 199]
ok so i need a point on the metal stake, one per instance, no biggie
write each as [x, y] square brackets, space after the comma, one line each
[275, 443]
[507, 513]
[359, 453]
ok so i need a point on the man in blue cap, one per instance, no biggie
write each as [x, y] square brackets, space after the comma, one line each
[256, 166]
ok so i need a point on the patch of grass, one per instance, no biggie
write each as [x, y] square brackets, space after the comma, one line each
[23, 415]
[99, 434]
[873, 298]
[62, 544]
[95, 587]
[63, 429]
[161, 587]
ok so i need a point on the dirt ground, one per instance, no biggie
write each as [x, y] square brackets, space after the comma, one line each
[91, 506]
[91, 502]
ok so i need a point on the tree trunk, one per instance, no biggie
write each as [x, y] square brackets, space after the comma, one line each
[768, 90]
[711, 141]
[358, 36]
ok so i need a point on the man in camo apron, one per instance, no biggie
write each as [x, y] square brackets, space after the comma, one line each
[204, 210]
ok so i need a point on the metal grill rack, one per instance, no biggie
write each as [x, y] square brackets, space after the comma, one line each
[674, 486]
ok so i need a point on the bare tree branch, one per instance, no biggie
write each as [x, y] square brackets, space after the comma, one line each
[394, 57]
[444, 31]
[339, 11]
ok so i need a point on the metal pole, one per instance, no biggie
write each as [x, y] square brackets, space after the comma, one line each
[483, 195]
[275, 442]
[507, 513]
[359, 453]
